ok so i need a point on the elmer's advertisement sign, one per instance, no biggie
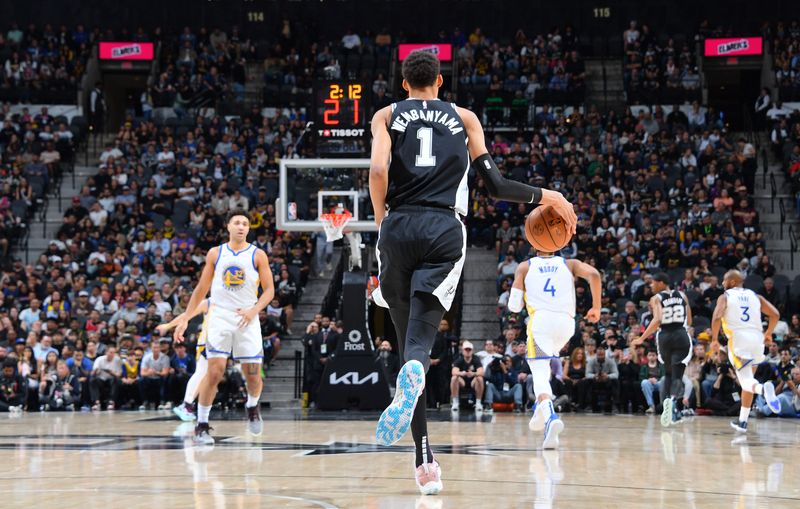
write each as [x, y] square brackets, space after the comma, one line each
[126, 51]
[733, 47]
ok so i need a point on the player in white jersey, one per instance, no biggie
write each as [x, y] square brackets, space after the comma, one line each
[547, 285]
[233, 273]
[738, 312]
[186, 411]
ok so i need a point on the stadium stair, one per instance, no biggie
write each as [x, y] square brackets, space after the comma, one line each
[612, 96]
[779, 250]
[479, 320]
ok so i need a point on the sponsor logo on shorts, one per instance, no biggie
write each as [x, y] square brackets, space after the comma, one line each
[233, 278]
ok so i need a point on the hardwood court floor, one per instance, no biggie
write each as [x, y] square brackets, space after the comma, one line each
[134, 460]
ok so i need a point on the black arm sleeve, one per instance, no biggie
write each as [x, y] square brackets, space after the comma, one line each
[502, 188]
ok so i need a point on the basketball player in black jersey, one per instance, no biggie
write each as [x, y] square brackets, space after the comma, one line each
[421, 153]
[671, 315]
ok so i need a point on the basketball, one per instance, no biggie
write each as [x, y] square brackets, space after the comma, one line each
[546, 230]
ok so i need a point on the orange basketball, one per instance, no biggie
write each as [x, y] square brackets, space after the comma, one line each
[546, 230]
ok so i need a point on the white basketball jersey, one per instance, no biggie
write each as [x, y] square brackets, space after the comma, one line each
[235, 283]
[550, 285]
[743, 311]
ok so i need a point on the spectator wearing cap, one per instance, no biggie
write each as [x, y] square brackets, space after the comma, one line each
[154, 372]
[182, 367]
[467, 372]
[127, 313]
[83, 307]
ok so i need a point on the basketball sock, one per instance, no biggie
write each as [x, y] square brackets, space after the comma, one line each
[419, 431]
[252, 401]
[540, 372]
[202, 413]
[744, 413]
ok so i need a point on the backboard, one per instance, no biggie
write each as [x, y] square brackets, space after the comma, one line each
[310, 187]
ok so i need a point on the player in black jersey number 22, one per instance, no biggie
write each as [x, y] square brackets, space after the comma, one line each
[422, 149]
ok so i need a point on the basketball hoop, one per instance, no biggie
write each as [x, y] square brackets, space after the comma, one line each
[334, 223]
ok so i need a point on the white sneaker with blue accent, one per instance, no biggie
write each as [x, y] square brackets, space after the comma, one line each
[185, 412]
[772, 400]
[396, 419]
[666, 413]
[539, 415]
[552, 428]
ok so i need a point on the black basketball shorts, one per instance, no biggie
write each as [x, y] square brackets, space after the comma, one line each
[420, 249]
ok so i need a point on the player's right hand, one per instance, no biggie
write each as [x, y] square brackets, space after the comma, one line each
[180, 328]
[563, 207]
[162, 329]
[593, 315]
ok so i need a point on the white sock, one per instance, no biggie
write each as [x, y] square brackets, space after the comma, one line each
[202, 413]
[547, 407]
[758, 389]
[252, 401]
[744, 413]
[454, 401]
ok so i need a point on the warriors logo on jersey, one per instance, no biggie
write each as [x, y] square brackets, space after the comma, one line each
[233, 278]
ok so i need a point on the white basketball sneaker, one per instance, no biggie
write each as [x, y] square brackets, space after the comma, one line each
[396, 419]
[772, 400]
[540, 415]
[429, 478]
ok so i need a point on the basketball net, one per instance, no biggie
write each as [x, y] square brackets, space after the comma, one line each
[334, 223]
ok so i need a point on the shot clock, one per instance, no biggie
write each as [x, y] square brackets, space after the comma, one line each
[341, 110]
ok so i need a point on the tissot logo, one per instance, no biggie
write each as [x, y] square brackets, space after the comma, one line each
[345, 133]
[353, 378]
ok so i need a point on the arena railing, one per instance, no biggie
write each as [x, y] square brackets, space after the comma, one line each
[773, 192]
[765, 164]
[792, 245]
[782, 208]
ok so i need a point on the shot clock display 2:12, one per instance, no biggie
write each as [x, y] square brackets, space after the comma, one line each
[341, 105]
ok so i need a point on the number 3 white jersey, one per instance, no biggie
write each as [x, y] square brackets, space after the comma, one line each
[235, 283]
[549, 285]
[743, 312]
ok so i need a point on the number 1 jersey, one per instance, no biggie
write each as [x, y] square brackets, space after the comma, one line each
[549, 285]
[430, 160]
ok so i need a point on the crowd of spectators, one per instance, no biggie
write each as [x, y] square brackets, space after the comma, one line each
[785, 44]
[504, 77]
[659, 69]
[42, 63]
[198, 69]
[654, 192]
[35, 148]
[131, 245]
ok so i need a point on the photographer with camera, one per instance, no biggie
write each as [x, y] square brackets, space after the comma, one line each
[503, 387]
[725, 395]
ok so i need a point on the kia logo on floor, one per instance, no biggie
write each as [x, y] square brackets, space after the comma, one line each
[353, 378]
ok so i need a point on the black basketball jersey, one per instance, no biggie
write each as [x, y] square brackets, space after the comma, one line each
[430, 161]
[673, 310]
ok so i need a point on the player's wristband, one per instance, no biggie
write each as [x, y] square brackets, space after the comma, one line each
[515, 300]
[503, 188]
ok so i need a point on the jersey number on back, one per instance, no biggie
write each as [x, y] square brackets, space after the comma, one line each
[673, 315]
[425, 158]
[551, 290]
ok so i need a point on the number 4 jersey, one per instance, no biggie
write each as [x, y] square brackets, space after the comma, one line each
[550, 286]
[430, 161]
